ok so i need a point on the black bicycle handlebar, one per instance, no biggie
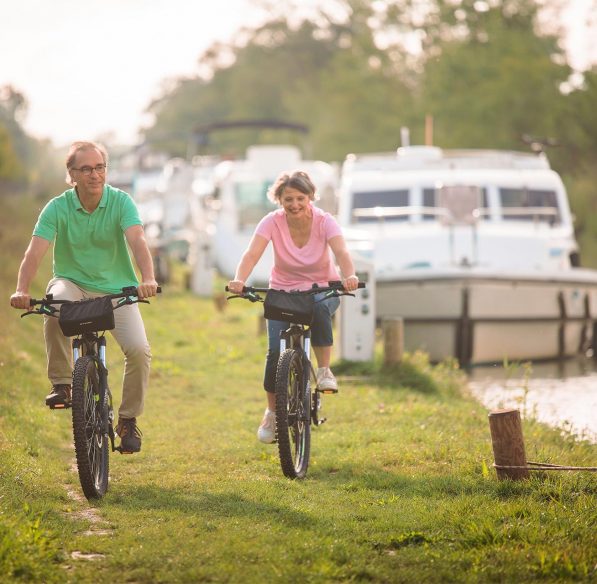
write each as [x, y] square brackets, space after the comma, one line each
[47, 302]
[252, 293]
[126, 292]
[336, 285]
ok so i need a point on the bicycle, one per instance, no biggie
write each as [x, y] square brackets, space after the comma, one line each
[91, 402]
[297, 405]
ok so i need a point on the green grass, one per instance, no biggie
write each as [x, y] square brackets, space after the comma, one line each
[400, 487]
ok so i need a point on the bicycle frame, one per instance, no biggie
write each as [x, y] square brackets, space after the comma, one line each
[298, 337]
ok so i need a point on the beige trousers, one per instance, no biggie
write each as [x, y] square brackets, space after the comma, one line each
[129, 333]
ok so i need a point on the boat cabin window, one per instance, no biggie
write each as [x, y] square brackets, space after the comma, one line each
[473, 198]
[520, 204]
[368, 206]
[252, 203]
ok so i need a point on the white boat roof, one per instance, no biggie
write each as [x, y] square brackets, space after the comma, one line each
[427, 165]
[266, 162]
[432, 157]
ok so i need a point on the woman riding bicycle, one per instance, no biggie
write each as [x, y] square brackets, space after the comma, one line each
[302, 236]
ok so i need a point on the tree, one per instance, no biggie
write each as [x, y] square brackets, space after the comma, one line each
[495, 80]
[11, 170]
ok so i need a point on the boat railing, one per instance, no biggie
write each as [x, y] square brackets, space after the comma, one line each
[536, 214]
[382, 213]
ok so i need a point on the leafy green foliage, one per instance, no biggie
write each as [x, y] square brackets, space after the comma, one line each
[24, 162]
[486, 74]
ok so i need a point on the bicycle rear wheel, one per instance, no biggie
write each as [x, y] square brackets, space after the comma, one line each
[293, 413]
[91, 439]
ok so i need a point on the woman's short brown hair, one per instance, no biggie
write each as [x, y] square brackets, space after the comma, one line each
[298, 180]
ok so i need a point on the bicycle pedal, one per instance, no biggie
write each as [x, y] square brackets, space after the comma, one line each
[328, 391]
[59, 406]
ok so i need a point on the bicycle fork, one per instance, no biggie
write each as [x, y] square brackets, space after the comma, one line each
[104, 395]
[316, 393]
[312, 398]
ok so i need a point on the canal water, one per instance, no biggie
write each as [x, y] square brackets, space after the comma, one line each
[563, 395]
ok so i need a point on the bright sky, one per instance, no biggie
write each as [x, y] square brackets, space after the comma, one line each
[88, 68]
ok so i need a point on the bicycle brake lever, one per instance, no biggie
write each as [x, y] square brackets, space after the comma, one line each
[127, 300]
[44, 309]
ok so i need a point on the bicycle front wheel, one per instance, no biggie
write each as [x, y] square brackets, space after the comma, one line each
[293, 415]
[91, 439]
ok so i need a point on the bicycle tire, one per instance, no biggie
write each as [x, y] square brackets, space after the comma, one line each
[91, 440]
[293, 415]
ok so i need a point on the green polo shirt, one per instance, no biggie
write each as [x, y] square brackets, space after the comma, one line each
[90, 248]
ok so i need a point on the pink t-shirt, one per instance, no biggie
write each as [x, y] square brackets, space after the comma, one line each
[298, 268]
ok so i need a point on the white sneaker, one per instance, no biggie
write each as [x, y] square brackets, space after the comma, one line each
[326, 379]
[267, 429]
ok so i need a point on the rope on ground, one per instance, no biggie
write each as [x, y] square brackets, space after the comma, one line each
[545, 466]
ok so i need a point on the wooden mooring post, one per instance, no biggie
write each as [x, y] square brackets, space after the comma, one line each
[393, 340]
[508, 444]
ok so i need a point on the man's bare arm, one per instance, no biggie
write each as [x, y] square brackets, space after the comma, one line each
[38, 246]
[135, 236]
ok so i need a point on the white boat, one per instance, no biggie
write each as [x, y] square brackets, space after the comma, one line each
[240, 201]
[474, 249]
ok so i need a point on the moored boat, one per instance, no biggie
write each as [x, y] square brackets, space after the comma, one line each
[474, 249]
[240, 201]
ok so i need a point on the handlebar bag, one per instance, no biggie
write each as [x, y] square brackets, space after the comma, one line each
[289, 307]
[86, 316]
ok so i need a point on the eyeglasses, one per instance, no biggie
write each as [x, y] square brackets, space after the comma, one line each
[87, 170]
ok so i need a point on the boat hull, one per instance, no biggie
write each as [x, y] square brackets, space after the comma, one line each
[484, 317]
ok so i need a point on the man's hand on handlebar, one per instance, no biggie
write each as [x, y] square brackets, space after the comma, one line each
[147, 289]
[21, 301]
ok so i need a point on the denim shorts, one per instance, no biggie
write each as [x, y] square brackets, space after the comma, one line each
[321, 335]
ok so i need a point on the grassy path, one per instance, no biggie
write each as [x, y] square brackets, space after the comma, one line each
[400, 488]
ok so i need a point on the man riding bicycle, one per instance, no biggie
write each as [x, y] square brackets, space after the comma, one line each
[90, 226]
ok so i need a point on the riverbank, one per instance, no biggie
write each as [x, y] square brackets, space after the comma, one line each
[400, 487]
[562, 395]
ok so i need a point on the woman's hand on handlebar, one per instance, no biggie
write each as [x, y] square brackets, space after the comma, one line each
[351, 283]
[21, 301]
[236, 286]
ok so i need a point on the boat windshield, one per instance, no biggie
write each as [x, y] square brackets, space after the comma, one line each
[368, 206]
[252, 203]
[521, 204]
[466, 203]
